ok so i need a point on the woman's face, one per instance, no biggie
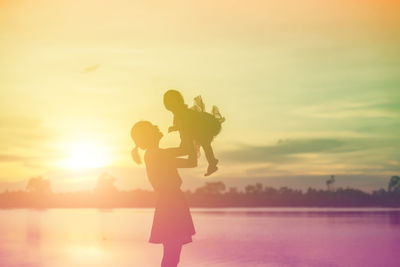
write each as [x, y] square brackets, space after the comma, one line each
[157, 133]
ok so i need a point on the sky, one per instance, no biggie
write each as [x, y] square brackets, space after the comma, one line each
[309, 88]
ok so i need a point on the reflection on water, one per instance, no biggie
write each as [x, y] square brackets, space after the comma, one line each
[225, 237]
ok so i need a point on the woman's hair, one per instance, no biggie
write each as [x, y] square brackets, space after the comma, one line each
[141, 134]
[173, 99]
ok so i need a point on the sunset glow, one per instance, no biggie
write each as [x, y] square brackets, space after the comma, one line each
[85, 154]
[308, 88]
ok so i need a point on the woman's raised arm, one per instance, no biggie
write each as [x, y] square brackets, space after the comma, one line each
[189, 162]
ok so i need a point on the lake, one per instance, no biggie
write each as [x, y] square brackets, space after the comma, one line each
[225, 237]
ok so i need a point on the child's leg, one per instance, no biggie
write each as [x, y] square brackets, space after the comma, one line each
[212, 161]
[209, 153]
[172, 253]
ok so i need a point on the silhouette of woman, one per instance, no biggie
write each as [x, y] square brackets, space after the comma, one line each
[172, 222]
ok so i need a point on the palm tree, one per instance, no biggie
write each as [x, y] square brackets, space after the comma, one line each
[330, 182]
[394, 184]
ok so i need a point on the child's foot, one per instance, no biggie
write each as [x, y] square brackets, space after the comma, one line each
[212, 168]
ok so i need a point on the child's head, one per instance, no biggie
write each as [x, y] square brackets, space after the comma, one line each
[145, 135]
[173, 100]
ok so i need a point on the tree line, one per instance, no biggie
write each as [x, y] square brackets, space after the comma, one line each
[38, 194]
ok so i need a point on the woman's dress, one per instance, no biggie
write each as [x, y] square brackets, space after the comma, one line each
[172, 219]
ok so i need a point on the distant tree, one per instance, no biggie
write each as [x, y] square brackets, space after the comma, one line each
[250, 189]
[285, 191]
[105, 184]
[330, 183]
[379, 192]
[270, 190]
[254, 189]
[259, 187]
[394, 184]
[38, 194]
[233, 190]
[38, 185]
[212, 188]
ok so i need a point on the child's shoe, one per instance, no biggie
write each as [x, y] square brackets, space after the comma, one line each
[211, 168]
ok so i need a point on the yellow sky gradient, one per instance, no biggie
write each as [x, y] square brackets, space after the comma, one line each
[317, 78]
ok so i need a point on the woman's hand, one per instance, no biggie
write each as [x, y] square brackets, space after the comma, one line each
[185, 163]
[135, 155]
[172, 129]
[189, 162]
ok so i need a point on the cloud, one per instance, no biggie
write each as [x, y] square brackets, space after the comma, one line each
[29, 162]
[387, 109]
[288, 150]
[12, 158]
[23, 132]
[25, 140]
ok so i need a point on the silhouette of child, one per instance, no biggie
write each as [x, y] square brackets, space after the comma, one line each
[196, 127]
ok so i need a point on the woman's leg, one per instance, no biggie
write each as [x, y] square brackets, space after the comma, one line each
[172, 253]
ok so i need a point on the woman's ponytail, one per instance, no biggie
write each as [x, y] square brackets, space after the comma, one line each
[136, 156]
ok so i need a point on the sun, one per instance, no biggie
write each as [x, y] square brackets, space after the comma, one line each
[85, 155]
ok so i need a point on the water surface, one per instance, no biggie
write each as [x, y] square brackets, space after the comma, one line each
[225, 237]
